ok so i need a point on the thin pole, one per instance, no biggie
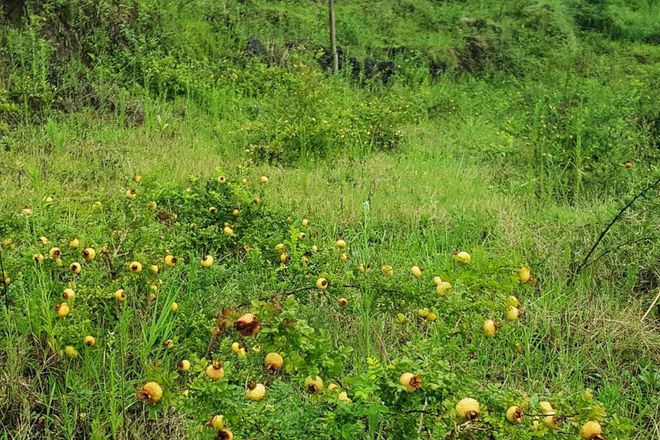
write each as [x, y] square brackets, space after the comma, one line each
[333, 36]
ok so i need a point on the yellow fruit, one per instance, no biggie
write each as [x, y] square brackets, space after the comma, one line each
[150, 392]
[551, 421]
[152, 205]
[462, 258]
[48, 200]
[263, 179]
[131, 194]
[89, 341]
[524, 275]
[302, 236]
[591, 431]
[416, 271]
[168, 343]
[387, 270]
[489, 328]
[38, 258]
[6, 280]
[322, 284]
[7, 243]
[174, 307]
[222, 179]
[247, 325]
[273, 362]
[154, 269]
[120, 295]
[305, 222]
[74, 243]
[343, 258]
[55, 253]
[170, 261]
[423, 313]
[255, 392]
[236, 347]
[468, 409]
[236, 212]
[96, 206]
[512, 313]
[361, 268]
[89, 254]
[437, 280]
[284, 257]
[313, 385]
[514, 414]
[217, 422]
[228, 231]
[59, 263]
[70, 351]
[341, 244]
[333, 387]
[207, 261]
[400, 318]
[75, 268]
[411, 382]
[314, 248]
[343, 302]
[443, 287]
[62, 310]
[432, 317]
[225, 434]
[512, 301]
[43, 240]
[280, 247]
[546, 407]
[137, 179]
[27, 212]
[256, 200]
[215, 370]
[135, 267]
[68, 294]
[343, 397]
[184, 365]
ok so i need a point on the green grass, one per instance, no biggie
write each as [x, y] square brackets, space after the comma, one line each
[518, 163]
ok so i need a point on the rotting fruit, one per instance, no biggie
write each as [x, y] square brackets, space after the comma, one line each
[313, 385]
[411, 382]
[514, 414]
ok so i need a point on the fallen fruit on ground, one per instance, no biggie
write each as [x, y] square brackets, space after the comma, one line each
[150, 392]
[411, 382]
[591, 430]
[467, 409]
[255, 391]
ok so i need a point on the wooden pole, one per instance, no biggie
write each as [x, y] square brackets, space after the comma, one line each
[333, 36]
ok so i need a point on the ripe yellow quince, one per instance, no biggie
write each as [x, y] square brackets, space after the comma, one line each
[410, 382]
[416, 271]
[255, 391]
[591, 431]
[151, 392]
[313, 385]
[215, 370]
[467, 409]
[273, 362]
[462, 257]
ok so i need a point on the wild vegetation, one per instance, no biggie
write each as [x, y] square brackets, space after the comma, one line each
[207, 234]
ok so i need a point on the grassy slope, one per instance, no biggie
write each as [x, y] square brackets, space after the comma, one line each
[430, 199]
